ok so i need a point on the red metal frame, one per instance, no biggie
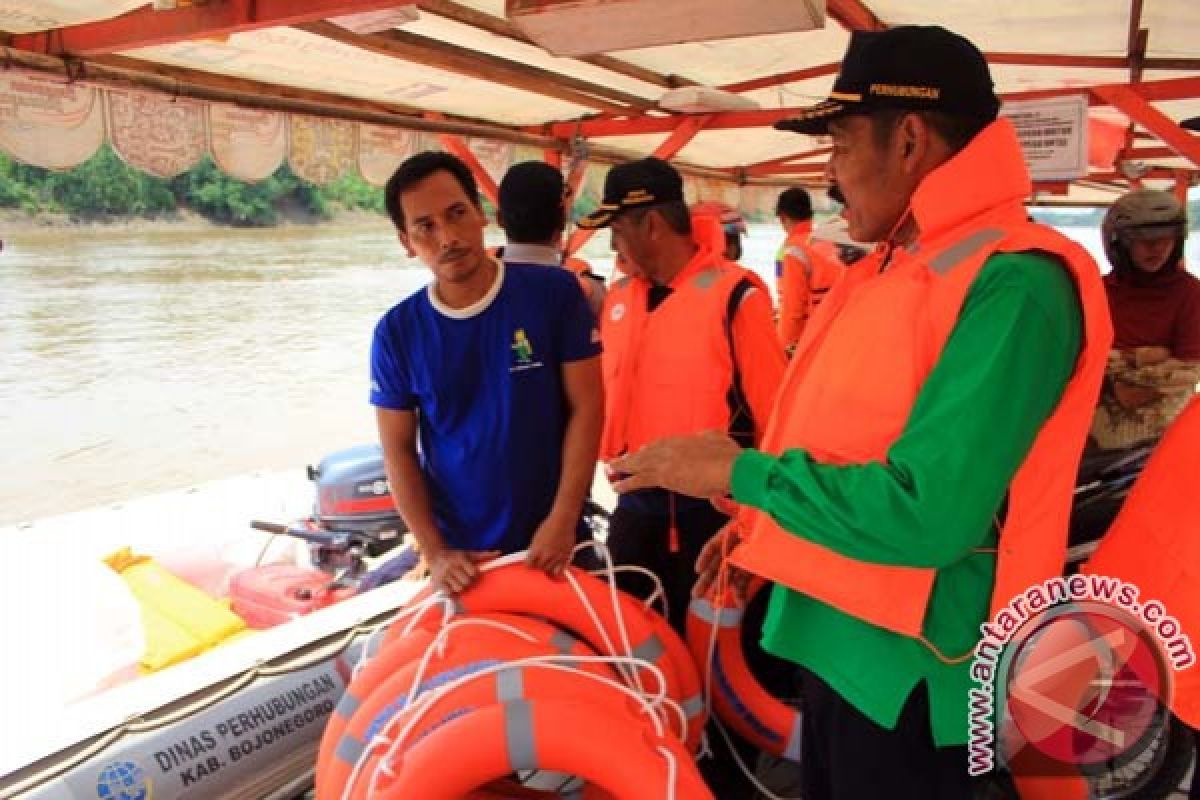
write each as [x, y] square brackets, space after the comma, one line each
[146, 27]
[456, 145]
[853, 15]
[1131, 101]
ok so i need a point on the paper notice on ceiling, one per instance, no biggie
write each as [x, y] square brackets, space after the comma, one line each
[247, 144]
[381, 150]
[156, 133]
[320, 150]
[1053, 134]
[48, 123]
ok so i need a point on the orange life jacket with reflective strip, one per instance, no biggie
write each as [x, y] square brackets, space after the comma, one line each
[865, 355]
[1154, 544]
[669, 372]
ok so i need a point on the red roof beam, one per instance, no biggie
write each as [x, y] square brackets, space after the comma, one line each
[1130, 101]
[767, 81]
[853, 15]
[146, 27]
[1170, 89]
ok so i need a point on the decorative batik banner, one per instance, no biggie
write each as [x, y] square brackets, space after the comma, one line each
[320, 150]
[48, 123]
[496, 157]
[247, 144]
[710, 190]
[156, 133]
[381, 150]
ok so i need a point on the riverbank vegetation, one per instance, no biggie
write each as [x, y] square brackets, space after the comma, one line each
[104, 187]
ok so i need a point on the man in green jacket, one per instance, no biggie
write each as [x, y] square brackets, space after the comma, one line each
[885, 715]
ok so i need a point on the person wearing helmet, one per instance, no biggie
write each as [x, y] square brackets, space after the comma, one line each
[1155, 305]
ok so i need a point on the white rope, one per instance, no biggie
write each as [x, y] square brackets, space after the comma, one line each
[659, 594]
[648, 705]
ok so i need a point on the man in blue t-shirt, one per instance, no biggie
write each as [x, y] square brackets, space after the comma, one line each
[495, 369]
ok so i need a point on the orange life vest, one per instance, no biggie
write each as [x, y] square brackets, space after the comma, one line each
[1154, 543]
[805, 272]
[668, 372]
[863, 358]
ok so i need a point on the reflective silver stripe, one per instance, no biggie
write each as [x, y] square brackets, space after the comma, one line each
[728, 617]
[563, 641]
[650, 650]
[518, 735]
[509, 685]
[573, 794]
[347, 705]
[960, 251]
[349, 749]
[693, 706]
[792, 751]
[459, 608]
[706, 278]
[374, 645]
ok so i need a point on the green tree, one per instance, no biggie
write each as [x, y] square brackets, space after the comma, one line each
[106, 185]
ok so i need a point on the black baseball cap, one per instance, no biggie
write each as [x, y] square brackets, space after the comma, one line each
[648, 181]
[909, 67]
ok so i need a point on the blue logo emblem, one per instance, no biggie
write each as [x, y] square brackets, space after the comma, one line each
[123, 780]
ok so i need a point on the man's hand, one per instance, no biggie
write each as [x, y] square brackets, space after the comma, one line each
[553, 543]
[708, 564]
[700, 465]
[455, 570]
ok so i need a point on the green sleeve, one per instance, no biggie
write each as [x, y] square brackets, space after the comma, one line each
[1000, 375]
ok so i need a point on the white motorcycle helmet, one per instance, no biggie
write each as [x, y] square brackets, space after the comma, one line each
[1143, 214]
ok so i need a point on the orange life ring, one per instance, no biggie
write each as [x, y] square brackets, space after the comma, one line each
[738, 699]
[388, 679]
[529, 683]
[518, 589]
[529, 734]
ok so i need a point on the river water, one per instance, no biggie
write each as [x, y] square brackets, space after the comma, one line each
[137, 362]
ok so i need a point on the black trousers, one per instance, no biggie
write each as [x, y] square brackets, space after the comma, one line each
[644, 540]
[846, 756]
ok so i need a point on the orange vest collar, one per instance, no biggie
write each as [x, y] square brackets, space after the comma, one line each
[954, 192]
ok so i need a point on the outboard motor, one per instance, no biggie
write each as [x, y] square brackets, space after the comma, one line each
[352, 496]
[353, 518]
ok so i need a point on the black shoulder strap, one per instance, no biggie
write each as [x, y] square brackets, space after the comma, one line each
[741, 420]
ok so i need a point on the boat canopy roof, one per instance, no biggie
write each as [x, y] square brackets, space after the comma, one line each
[463, 70]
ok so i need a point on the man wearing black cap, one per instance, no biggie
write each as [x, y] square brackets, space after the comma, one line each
[689, 346]
[532, 209]
[917, 471]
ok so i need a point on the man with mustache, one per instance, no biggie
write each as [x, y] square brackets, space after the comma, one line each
[496, 369]
[917, 470]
